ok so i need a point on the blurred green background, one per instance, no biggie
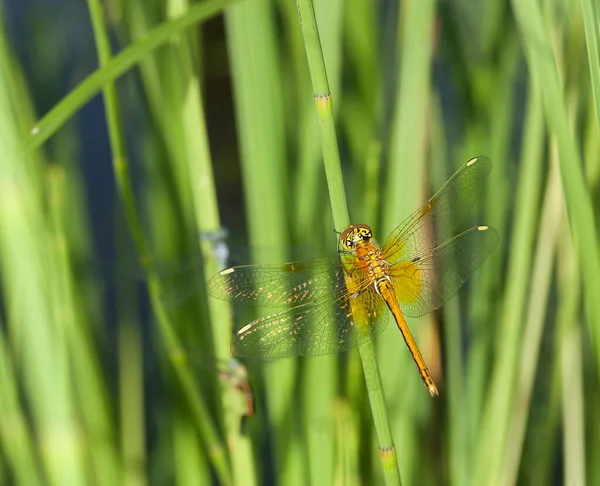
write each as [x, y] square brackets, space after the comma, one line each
[133, 132]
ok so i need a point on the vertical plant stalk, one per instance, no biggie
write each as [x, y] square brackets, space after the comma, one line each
[35, 382]
[168, 335]
[259, 91]
[527, 362]
[92, 394]
[206, 212]
[323, 101]
[339, 208]
[131, 402]
[591, 21]
[519, 265]
[320, 373]
[457, 403]
[542, 64]
[16, 438]
[409, 138]
[570, 358]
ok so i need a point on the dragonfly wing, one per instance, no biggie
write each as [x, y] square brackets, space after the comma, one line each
[432, 224]
[426, 280]
[323, 327]
[281, 285]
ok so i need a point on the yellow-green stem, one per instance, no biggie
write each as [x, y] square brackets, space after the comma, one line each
[169, 337]
[337, 195]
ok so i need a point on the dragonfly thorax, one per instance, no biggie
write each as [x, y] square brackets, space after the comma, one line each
[358, 240]
[370, 259]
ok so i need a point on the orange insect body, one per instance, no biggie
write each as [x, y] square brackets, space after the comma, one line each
[367, 256]
[329, 305]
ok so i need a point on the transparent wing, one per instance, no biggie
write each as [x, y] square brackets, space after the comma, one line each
[278, 285]
[325, 326]
[426, 280]
[432, 224]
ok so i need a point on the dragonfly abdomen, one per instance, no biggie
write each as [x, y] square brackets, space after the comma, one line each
[385, 288]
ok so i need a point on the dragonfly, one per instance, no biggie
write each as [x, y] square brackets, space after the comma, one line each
[330, 305]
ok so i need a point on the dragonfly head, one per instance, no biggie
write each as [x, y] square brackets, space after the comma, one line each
[354, 236]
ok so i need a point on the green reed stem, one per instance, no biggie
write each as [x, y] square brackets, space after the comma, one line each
[15, 434]
[318, 373]
[455, 383]
[405, 189]
[92, 393]
[335, 182]
[115, 67]
[131, 397]
[206, 212]
[519, 267]
[570, 359]
[322, 96]
[591, 17]
[543, 67]
[542, 62]
[169, 337]
[37, 385]
[539, 461]
[535, 316]
[258, 91]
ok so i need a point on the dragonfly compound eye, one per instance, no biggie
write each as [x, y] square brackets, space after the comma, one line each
[365, 233]
[350, 241]
[355, 235]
